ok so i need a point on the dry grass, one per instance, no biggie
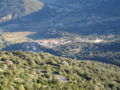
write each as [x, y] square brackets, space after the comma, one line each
[16, 37]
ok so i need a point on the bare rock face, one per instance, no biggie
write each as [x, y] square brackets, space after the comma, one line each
[10, 9]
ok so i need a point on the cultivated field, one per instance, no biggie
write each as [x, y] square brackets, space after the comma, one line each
[17, 37]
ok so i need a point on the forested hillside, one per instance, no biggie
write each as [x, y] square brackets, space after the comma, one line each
[28, 70]
[104, 52]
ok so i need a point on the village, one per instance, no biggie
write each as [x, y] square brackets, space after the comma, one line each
[52, 43]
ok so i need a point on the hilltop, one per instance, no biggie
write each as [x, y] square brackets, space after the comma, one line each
[28, 70]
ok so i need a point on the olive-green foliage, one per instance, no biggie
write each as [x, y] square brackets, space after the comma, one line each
[1, 40]
[37, 71]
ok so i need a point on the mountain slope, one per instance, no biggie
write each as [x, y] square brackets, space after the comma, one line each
[78, 16]
[10, 9]
[86, 17]
[28, 70]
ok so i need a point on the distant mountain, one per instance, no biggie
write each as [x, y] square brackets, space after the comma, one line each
[86, 17]
[28, 70]
[10, 9]
[78, 16]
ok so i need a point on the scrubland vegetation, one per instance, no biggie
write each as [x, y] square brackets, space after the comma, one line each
[27, 71]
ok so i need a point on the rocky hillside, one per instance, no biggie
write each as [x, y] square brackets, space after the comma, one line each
[10, 9]
[28, 70]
